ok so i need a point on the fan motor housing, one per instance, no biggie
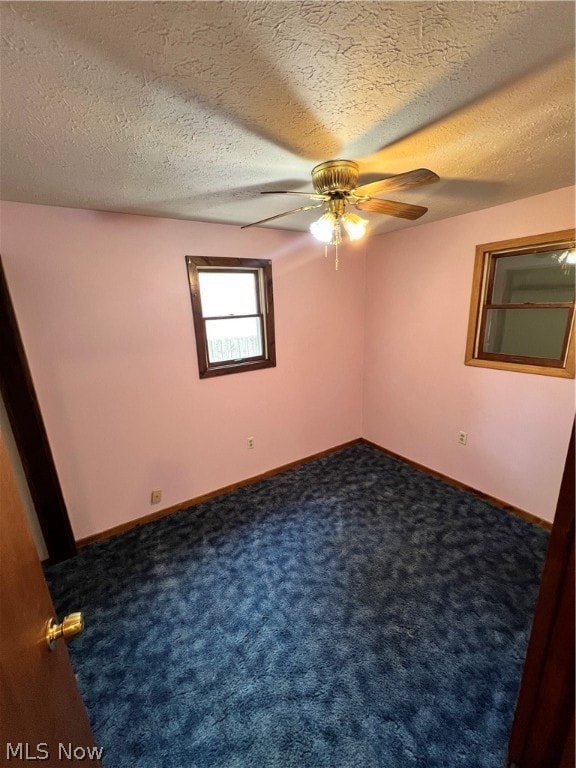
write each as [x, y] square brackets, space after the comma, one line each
[335, 176]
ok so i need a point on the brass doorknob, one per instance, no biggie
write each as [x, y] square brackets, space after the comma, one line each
[72, 625]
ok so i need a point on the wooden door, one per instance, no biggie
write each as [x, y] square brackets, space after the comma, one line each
[543, 729]
[42, 716]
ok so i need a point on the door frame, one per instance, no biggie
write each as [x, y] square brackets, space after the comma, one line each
[543, 727]
[23, 409]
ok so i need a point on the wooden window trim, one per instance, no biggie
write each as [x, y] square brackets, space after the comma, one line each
[482, 284]
[265, 306]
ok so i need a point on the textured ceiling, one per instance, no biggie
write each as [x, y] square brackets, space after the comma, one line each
[190, 109]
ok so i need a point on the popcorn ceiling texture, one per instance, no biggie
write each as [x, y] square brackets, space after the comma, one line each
[189, 110]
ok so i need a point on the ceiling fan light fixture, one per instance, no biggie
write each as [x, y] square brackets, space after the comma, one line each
[327, 229]
[334, 183]
[354, 225]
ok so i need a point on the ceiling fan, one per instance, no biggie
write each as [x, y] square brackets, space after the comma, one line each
[334, 183]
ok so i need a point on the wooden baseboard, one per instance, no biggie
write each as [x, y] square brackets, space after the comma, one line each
[271, 472]
[450, 481]
[207, 496]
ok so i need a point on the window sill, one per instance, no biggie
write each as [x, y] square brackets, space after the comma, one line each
[565, 373]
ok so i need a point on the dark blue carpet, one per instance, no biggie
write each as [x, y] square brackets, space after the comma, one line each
[349, 613]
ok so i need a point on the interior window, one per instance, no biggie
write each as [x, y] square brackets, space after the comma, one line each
[233, 310]
[522, 308]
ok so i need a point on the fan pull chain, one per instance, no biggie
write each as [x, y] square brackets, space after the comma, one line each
[335, 252]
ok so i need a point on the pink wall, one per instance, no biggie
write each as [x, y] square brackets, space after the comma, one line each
[418, 394]
[103, 304]
[104, 309]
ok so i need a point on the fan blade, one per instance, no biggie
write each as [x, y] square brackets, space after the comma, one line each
[313, 195]
[392, 208]
[279, 215]
[400, 181]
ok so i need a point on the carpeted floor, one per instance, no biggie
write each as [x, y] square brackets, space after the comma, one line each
[349, 613]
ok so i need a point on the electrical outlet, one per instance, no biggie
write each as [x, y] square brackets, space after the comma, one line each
[250, 442]
[462, 438]
[156, 496]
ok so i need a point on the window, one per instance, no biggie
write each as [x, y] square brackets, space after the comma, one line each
[233, 311]
[522, 309]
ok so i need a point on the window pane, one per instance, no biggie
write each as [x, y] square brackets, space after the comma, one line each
[526, 332]
[228, 293]
[535, 278]
[234, 339]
